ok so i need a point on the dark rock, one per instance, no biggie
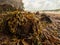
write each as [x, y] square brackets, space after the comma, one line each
[6, 7]
[45, 18]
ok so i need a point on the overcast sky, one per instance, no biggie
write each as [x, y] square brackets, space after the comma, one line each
[34, 5]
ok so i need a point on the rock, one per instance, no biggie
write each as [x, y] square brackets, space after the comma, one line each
[45, 18]
[6, 7]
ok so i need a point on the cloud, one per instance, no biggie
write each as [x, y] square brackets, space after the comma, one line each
[34, 5]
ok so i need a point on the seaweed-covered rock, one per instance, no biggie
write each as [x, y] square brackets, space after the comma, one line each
[21, 28]
[20, 25]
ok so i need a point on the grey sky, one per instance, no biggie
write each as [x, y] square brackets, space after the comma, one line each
[34, 5]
